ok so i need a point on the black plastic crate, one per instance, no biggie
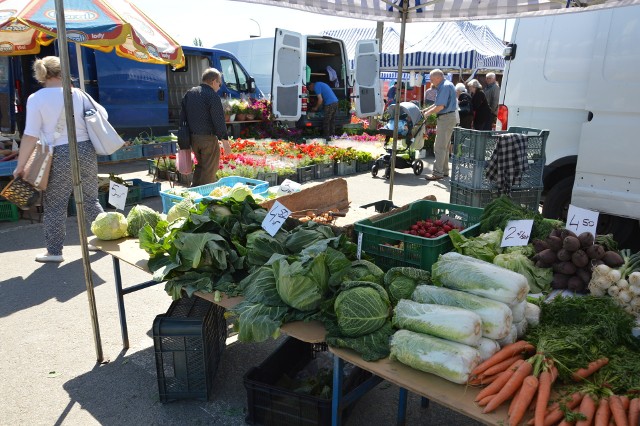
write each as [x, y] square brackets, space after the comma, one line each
[188, 341]
[270, 404]
[306, 173]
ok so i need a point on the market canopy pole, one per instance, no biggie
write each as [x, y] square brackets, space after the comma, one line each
[75, 173]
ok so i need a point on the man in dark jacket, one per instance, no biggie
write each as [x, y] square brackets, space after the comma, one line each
[205, 116]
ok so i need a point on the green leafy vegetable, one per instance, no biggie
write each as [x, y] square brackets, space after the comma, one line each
[109, 226]
[140, 215]
[180, 209]
[306, 234]
[372, 346]
[302, 284]
[361, 308]
[400, 282]
[539, 279]
[261, 246]
[450, 360]
[485, 246]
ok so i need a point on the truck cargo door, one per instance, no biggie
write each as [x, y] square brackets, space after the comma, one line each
[366, 88]
[288, 75]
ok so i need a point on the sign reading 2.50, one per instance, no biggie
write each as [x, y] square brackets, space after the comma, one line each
[581, 220]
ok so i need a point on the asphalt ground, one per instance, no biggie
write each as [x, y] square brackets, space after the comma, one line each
[47, 354]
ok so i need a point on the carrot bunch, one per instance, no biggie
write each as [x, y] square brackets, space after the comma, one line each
[513, 373]
[593, 411]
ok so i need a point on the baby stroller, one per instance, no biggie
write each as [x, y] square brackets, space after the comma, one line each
[410, 139]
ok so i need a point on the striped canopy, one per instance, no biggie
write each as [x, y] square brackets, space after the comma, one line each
[452, 45]
[441, 10]
[351, 36]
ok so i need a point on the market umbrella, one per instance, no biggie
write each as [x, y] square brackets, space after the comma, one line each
[25, 25]
[406, 11]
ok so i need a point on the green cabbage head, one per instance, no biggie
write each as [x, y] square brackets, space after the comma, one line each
[179, 210]
[140, 215]
[110, 226]
[303, 283]
[361, 308]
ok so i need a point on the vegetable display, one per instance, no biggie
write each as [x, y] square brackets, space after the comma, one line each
[432, 228]
[622, 283]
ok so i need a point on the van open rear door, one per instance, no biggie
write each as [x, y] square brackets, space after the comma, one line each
[289, 55]
[366, 88]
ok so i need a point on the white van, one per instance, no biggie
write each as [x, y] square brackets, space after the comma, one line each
[295, 59]
[577, 76]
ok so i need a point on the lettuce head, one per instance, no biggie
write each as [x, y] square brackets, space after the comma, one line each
[109, 226]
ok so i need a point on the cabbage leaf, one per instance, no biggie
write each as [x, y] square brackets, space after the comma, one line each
[361, 308]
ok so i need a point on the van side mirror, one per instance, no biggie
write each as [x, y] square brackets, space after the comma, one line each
[509, 52]
[252, 85]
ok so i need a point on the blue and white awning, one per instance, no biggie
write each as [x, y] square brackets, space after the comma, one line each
[452, 45]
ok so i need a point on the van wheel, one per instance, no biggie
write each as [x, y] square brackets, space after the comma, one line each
[556, 203]
[556, 206]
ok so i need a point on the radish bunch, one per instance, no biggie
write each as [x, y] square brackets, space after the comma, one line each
[622, 284]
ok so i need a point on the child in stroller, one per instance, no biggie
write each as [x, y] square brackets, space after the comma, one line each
[411, 130]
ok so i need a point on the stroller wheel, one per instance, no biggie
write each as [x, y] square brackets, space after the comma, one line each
[417, 166]
[387, 172]
[374, 170]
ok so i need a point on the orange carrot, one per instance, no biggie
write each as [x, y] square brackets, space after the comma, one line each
[556, 414]
[554, 373]
[484, 401]
[634, 412]
[499, 383]
[514, 399]
[593, 366]
[617, 411]
[510, 387]
[528, 390]
[483, 380]
[507, 352]
[501, 366]
[603, 413]
[544, 392]
[625, 402]
[587, 409]
[566, 423]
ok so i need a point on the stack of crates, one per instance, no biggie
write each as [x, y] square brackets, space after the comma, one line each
[188, 341]
[472, 151]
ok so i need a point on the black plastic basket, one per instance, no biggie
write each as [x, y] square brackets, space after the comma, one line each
[271, 404]
[188, 341]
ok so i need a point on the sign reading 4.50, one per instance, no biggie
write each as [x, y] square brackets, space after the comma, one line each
[275, 218]
[581, 220]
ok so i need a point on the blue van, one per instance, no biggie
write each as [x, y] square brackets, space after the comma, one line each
[139, 97]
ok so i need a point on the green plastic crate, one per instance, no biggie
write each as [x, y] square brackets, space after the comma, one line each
[464, 195]
[8, 211]
[384, 240]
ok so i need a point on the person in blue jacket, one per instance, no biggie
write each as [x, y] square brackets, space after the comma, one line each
[329, 102]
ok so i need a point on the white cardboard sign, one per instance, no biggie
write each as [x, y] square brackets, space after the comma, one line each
[517, 233]
[117, 195]
[275, 218]
[581, 220]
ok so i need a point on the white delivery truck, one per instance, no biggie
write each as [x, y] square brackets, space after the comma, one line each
[577, 76]
[288, 61]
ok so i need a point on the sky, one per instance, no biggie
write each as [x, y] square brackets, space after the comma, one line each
[219, 21]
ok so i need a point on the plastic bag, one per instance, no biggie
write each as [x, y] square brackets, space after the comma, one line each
[184, 165]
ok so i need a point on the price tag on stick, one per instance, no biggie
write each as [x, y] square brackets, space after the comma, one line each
[517, 233]
[581, 220]
[275, 218]
[117, 195]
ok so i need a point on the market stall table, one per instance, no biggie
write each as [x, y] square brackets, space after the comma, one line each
[128, 250]
[448, 394]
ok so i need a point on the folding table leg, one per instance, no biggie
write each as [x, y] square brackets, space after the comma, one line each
[336, 400]
[402, 407]
[120, 297]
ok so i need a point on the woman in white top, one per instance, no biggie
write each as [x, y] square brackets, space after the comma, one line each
[46, 122]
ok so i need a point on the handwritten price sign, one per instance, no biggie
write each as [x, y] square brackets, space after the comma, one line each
[117, 195]
[275, 218]
[517, 233]
[581, 220]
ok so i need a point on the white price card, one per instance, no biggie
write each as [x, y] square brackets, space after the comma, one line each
[517, 233]
[359, 250]
[275, 218]
[117, 195]
[581, 220]
[288, 187]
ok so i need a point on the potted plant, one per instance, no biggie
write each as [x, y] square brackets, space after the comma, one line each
[240, 109]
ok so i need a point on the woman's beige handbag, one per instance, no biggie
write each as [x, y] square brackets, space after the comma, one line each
[36, 171]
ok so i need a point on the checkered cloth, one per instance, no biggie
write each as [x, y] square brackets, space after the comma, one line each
[508, 161]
